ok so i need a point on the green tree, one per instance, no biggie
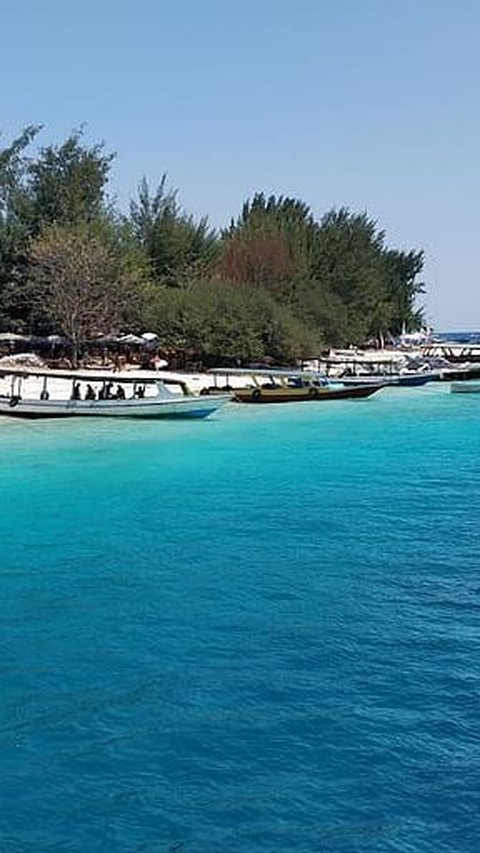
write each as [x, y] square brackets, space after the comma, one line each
[179, 248]
[14, 213]
[270, 244]
[349, 263]
[67, 183]
[402, 269]
[219, 320]
[62, 185]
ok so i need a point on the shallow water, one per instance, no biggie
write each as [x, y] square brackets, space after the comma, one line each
[260, 632]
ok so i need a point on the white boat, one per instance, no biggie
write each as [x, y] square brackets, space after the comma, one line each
[470, 387]
[61, 394]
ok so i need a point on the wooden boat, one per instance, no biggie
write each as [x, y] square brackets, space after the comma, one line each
[30, 394]
[286, 386]
[470, 387]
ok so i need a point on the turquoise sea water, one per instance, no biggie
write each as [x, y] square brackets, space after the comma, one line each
[259, 632]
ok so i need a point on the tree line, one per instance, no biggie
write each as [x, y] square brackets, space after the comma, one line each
[275, 283]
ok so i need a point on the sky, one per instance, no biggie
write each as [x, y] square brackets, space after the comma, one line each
[368, 104]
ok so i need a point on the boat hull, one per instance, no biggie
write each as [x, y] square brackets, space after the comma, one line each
[461, 375]
[402, 380]
[147, 409]
[297, 395]
[415, 380]
[468, 387]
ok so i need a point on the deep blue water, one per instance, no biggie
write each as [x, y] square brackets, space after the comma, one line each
[255, 633]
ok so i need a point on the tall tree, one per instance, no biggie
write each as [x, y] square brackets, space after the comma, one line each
[402, 269]
[14, 169]
[270, 244]
[83, 282]
[67, 183]
[350, 264]
[62, 185]
[179, 248]
[14, 212]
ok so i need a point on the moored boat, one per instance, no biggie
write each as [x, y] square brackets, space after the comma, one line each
[27, 394]
[403, 380]
[288, 386]
[469, 387]
[279, 394]
[412, 379]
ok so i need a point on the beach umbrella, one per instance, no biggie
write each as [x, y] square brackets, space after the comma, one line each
[104, 339]
[130, 339]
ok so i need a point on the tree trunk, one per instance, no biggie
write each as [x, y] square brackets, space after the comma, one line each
[74, 353]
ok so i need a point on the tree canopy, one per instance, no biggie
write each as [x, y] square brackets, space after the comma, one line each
[277, 282]
[80, 279]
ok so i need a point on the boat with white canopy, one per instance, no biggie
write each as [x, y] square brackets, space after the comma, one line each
[59, 394]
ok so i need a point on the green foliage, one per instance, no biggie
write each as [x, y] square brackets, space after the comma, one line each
[14, 166]
[223, 320]
[63, 185]
[277, 283]
[83, 281]
[270, 244]
[67, 183]
[402, 270]
[349, 264]
[178, 248]
[336, 274]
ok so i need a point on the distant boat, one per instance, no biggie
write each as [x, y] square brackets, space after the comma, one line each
[465, 373]
[470, 387]
[289, 386]
[90, 394]
[408, 379]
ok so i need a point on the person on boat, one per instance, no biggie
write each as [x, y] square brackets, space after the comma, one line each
[120, 395]
[108, 390]
[76, 391]
[90, 393]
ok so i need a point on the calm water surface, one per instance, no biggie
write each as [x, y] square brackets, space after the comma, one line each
[255, 633]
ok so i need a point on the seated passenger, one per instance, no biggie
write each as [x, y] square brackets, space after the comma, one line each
[90, 393]
[120, 395]
[76, 391]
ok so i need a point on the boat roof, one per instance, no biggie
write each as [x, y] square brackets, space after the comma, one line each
[87, 375]
[257, 371]
[391, 358]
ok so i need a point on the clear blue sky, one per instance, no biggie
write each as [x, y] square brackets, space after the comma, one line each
[372, 104]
